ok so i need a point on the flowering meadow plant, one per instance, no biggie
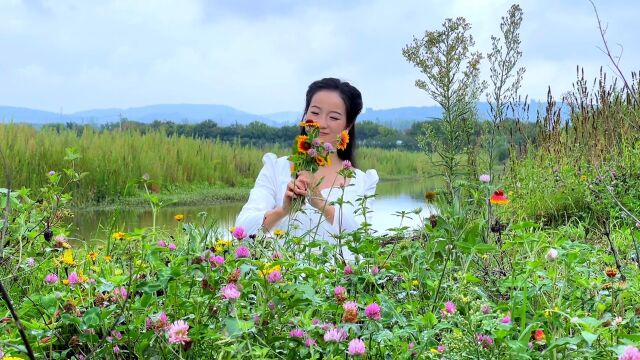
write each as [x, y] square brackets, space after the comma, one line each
[309, 152]
[443, 290]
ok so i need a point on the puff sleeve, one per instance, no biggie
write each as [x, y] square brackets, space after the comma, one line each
[346, 219]
[262, 197]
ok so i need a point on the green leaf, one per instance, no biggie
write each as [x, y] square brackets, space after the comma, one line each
[589, 337]
[149, 288]
[91, 318]
[236, 327]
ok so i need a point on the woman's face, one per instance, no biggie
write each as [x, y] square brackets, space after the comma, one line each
[328, 110]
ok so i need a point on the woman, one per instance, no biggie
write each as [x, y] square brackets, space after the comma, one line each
[334, 105]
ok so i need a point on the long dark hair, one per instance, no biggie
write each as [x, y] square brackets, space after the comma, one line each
[352, 102]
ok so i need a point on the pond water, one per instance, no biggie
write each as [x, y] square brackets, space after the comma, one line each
[392, 196]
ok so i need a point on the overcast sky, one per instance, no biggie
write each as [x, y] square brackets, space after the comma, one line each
[259, 56]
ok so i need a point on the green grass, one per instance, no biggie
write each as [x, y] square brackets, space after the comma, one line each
[114, 158]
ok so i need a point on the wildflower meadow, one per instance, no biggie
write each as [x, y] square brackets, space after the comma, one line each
[536, 257]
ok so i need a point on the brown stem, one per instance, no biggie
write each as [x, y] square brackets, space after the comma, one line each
[23, 335]
[607, 233]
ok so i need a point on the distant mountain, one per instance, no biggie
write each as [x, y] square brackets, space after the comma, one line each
[182, 113]
[399, 118]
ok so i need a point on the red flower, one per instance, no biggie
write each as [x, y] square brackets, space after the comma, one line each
[309, 123]
[343, 140]
[538, 335]
[498, 198]
[302, 143]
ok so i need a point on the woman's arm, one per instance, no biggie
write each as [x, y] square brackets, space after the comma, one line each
[262, 198]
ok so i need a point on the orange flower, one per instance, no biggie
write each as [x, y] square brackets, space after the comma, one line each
[611, 272]
[302, 143]
[498, 198]
[538, 335]
[293, 169]
[343, 140]
[321, 161]
[309, 123]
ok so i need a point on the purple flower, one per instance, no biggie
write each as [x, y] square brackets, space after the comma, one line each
[372, 311]
[74, 279]
[161, 243]
[116, 349]
[441, 349]
[121, 292]
[178, 332]
[51, 173]
[356, 347]
[230, 291]
[335, 334]
[31, 262]
[242, 252]
[216, 260]
[51, 278]
[485, 309]
[348, 270]
[552, 254]
[484, 340]
[630, 353]
[274, 276]
[315, 322]
[375, 270]
[239, 233]
[346, 164]
[449, 308]
[506, 320]
[312, 152]
[328, 147]
[172, 247]
[309, 342]
[485, 178]
[116, 334]
[316, 142]
[297, 333]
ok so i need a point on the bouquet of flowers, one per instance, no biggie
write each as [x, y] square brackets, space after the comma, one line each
[310, 153]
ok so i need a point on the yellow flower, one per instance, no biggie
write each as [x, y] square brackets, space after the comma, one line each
[179, 217]
[343, 140]
[65, 281]
[92, 256]
[583, 177]
[66, 245]
[67, 257]
[118, 235]
[415, 282]
[278, 232]
[548, 313]
[11, 358]
[224, 243]
[434, 351]
[266, 272]
[107, 258]
[118, 272]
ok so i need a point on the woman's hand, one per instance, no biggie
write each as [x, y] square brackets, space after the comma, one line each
[311, 191]
[295, 188]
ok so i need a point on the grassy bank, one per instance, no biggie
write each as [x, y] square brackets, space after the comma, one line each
[114, 158]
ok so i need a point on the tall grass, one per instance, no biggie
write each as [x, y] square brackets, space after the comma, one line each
[113, 158]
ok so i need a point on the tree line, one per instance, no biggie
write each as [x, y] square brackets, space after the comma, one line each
[258, 134]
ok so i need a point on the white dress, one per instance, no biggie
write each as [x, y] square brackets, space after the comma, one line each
[268, 193]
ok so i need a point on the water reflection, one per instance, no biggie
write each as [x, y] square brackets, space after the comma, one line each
[393, 197]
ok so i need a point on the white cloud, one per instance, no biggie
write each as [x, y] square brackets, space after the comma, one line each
[260, 56]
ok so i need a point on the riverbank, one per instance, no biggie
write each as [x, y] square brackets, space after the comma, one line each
[198, 195]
